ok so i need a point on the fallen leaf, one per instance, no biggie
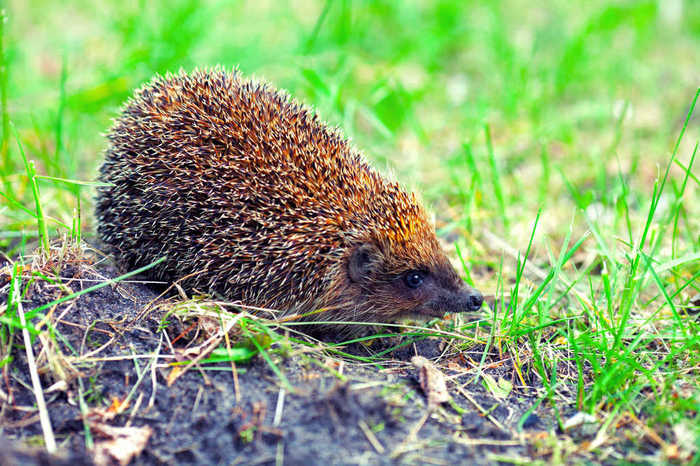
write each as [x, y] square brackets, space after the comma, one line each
[118, 406]
[499, 389]
[579, 419]
[174, 374]
[122, 444]
[432, 381]
[687, 439]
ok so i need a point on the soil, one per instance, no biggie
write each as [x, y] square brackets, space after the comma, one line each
[372, 414]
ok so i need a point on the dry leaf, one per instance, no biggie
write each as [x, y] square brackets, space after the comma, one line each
[432, 381]
[579, 419]
[122, 444]
[118, 406]
[174, 374]
[500, 388]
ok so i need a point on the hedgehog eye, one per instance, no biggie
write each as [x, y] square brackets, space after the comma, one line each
[414, 278]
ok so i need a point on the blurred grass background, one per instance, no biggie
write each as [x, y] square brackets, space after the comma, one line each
[590, 89]
[491, 110]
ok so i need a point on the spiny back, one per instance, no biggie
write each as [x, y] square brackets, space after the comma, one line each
[248, 194]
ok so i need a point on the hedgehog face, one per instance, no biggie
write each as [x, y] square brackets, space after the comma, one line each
[437, 291]
[395, 288]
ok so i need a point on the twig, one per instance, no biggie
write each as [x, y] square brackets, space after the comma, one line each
[124, 357]
[142, 375]
[481, 409]
[27, 421]
[197, 399]
[234, 371]
[154, 382]
[207, 346]
[279, 457]
[653, 436]
[373, 440]
[279, 408]
[473, 442]
[44, 419]
[402, 448]
[136, 407]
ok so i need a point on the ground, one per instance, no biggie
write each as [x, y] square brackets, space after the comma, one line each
[330, 409]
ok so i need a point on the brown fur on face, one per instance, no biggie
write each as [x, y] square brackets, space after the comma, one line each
[249, 195]
[374, 287]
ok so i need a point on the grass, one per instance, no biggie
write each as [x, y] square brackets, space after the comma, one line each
[556, 143]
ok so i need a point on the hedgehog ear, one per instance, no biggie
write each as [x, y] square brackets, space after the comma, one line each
[363, 260]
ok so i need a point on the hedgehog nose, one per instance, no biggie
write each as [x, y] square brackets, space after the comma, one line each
[474, 301]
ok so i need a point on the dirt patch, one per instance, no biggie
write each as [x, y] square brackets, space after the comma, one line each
[336, 411]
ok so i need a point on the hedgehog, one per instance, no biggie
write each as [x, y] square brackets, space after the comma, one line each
[248, 195]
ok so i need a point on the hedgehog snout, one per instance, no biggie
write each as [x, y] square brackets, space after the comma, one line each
[465, 299]
[473, 300]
